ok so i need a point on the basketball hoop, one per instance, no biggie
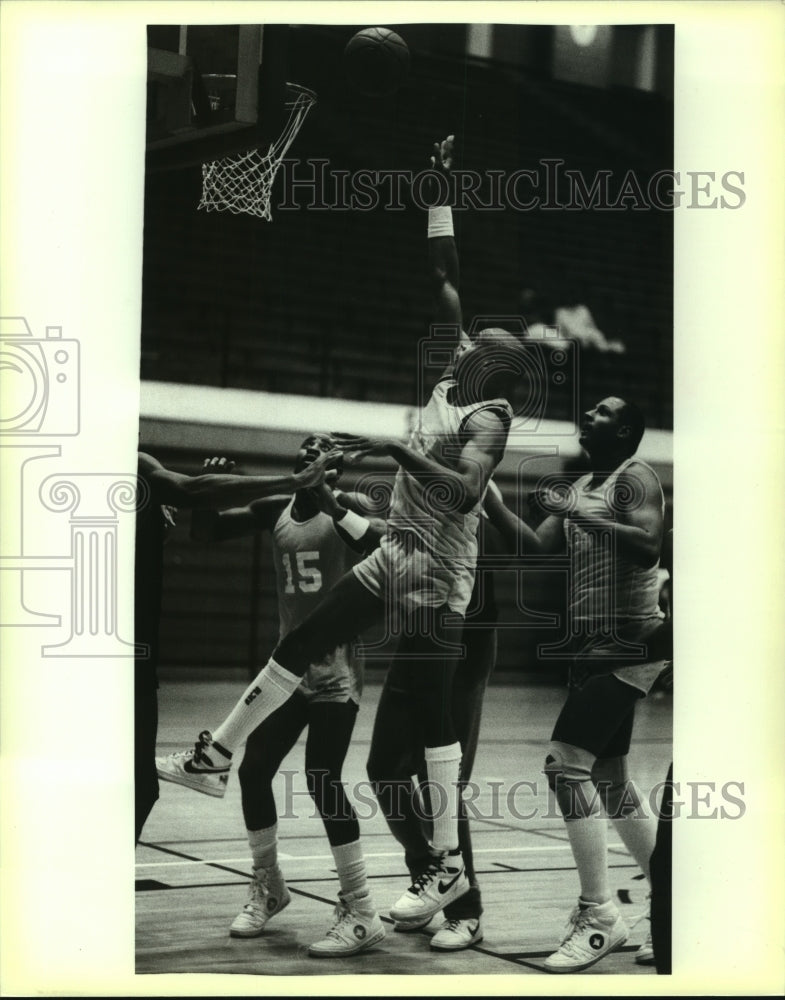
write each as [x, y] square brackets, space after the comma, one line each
[242, 183]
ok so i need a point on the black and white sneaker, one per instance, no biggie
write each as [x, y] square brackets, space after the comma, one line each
[205, 768]
[442, 882]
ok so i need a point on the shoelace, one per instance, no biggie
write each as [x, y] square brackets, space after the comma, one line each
[422, 880]
[342, 915]
[453, 924]
[578, 920]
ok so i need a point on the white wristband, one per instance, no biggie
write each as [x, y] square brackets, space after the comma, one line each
[354, 525]
[440, 221]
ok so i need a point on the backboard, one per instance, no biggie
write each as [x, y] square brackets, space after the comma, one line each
[212, 89]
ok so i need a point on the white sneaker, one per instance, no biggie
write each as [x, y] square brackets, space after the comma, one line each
[196, 768]
[440, 884]
[457, 934]
[267, 895]
[593, 931]
[355, 929]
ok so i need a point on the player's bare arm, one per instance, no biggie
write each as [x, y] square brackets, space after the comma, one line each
[217, 526]
[486, 436]
[548, 538]
[636, 520]
[223, 490]
[347, 517]
[442, 251]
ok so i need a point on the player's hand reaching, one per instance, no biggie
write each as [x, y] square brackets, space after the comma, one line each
[442, 156]
[355, 447]
[318, 471]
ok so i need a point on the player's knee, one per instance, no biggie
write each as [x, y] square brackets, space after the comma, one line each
[568, 770]
[567, 762]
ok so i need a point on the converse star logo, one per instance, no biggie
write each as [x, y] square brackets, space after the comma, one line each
[596, 941]
[359, 931]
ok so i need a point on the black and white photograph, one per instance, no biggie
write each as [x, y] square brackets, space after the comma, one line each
[341, 535]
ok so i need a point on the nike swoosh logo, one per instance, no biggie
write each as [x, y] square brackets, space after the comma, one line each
[446, 886]
[189, 767]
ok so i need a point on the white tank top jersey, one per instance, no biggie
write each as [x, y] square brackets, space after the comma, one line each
[605, 586]
[310, 557]
[447, 539]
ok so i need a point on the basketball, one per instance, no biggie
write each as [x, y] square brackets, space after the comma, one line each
[377, 61]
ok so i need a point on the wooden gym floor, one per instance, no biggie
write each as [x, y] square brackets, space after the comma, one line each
[192, 864]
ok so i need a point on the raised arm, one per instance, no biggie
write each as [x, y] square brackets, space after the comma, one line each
[520, 538]
[442, 251]
[222, 490]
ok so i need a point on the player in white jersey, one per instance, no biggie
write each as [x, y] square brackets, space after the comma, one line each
[312, 550]
[612, 527]
[424, 573]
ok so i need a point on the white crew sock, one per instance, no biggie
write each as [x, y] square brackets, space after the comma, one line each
[442, 765]
[352, 875]
[273, 686]
[264, 846]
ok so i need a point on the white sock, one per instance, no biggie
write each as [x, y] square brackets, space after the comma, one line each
[442, 765]
[352, 875]
[264, 846]
[589, 843]
[273, 686]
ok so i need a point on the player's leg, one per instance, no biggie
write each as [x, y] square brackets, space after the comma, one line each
[463, 926]
[627, 809]
[346, 610]
[265, 750]
[396, 754]
[434, 645]
[592, 715]
[357, 926]
[145, 733]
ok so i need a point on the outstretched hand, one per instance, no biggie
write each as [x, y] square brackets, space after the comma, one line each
[355, 447]
[442, 156]
[319, 471]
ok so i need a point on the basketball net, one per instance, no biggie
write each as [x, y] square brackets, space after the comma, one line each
[242, 183]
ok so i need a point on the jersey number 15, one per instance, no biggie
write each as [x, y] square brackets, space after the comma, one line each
[309, 578]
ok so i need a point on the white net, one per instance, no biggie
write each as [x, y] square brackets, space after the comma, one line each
[242, 183]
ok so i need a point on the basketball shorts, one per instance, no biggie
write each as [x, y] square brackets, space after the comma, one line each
[338, 678]
[615, 654]
[404, 574]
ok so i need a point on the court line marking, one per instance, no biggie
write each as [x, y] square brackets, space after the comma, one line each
[329, 857]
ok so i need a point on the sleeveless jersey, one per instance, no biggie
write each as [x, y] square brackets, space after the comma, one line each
[606, 585]
[442, 544]
[310, 557]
